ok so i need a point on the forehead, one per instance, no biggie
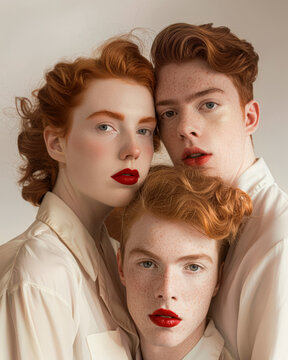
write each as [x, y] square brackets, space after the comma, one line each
[176, 80]
[100, 90]
[125, 96]
[166, 237]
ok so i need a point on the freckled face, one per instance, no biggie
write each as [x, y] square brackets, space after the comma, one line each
[112, 129]
[201, 120]
[169, 265]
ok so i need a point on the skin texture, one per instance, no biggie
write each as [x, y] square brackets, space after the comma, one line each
[160, 272]
[199, 107]
[112, 129]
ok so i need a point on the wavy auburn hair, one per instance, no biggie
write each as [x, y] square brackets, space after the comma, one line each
[53, 103]
[222, 50]
[187, 195]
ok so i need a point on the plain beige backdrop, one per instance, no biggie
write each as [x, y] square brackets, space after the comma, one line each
[35, 34]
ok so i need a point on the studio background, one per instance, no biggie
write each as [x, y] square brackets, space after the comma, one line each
[34, 35]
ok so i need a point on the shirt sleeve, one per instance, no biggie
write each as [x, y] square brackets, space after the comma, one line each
[35, 324]
[263, 312]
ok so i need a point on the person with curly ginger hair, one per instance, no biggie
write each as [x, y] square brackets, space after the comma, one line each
[87, 143]
[207, 115]
[175, 236]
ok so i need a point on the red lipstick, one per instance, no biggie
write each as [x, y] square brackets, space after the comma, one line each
[195, 156]
[165, 318]
[126, 177]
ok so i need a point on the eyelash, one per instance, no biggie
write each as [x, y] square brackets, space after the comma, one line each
[164, 114]
[148, 132]
[173, 113]
[199, 268]
[209, 102]
[147, 261]
[107, 125]
[153, 265]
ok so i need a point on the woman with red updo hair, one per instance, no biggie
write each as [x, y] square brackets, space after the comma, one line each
[87, 141]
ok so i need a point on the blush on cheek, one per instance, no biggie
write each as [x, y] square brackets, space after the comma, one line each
[90, 148]
[148, 150]
[98, 150]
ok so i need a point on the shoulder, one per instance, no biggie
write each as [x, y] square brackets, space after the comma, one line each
[268, 224]
[38, 258]
[273, 196]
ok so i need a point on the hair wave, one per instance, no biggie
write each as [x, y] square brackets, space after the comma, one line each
[218, 46]
[52, 104]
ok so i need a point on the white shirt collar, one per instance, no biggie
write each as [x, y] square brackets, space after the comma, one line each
[255, 178]
[60, 218]
[209, 347]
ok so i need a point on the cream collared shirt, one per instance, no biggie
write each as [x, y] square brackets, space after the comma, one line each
[251, 307]
[59, 298]
[210, 346]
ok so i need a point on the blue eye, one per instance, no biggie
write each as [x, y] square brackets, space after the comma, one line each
[144, 132]
[104, 127]
[146, 264]
[210, 105]
[194, 267]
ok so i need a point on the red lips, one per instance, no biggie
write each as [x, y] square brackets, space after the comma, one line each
[195, 156]
[126, 177]
[165, 318]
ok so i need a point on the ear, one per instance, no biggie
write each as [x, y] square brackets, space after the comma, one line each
[55, 144]
[219, 280]
[120, 268]
[252, 113]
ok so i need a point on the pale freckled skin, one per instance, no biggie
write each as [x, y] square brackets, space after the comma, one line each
[169, 283]
[91, 154]
[223, 131]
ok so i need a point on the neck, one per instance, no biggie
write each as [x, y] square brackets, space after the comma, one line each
[151, 351]
[248, 160]
[90, 212]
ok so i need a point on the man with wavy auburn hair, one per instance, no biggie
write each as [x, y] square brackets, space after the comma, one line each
[207, 115]
[175, 236]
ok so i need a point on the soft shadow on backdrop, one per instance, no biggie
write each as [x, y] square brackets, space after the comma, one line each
[36, 34]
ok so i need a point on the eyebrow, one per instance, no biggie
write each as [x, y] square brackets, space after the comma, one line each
[191, 97]
[194, 257]
[112, 114]
[148, 119]
[119, 116]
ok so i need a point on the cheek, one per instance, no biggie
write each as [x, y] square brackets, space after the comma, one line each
[84, 146]
[136, 283]
[202, 292]
[137, 297]
[148, 151]
[166, 130]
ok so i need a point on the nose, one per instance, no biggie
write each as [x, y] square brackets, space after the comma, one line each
[189, 125]
[166, 288]
[130, 149]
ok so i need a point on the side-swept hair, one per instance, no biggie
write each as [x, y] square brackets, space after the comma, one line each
[222, 50]
[53, 103]
[187, 195]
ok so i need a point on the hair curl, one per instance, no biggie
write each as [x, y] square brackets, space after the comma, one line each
[187, 195]
[221, 49]
[53, 103]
